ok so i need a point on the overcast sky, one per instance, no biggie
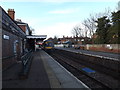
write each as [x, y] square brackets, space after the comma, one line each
[56, 17]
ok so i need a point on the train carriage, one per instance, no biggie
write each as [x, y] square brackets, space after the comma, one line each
[48, 45]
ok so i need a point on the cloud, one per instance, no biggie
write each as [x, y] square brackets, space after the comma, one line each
[57, 29]
[36, 21]
[65, 11]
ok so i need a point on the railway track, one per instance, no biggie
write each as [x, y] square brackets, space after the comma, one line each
[93, 79]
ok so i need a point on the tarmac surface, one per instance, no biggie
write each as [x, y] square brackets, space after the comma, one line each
[44, 72]
[37, 77]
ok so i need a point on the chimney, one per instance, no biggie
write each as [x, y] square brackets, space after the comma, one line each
[11, 13]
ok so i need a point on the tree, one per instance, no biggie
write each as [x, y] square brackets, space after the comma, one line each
[55, 40]
[90, 26]
[103, 28]
[114, 32]
[77, 32]
[90, 23]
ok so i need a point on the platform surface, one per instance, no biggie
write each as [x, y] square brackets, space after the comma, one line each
[37, 77]
[45, 72]
[65, 78]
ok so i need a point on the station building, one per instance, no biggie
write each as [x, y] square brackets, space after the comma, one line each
[16, 38]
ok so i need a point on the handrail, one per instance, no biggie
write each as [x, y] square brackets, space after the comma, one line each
[26, 62]
[25, 57]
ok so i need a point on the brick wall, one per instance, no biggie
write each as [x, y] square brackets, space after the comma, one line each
[12, 37]
[23, 27]
[114, 48]
[9, 56]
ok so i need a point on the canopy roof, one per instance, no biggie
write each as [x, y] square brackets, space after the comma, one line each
[37, 37]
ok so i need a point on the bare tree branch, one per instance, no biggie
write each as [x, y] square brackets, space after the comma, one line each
[90, 23]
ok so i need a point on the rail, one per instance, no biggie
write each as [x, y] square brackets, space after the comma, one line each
[90, 73]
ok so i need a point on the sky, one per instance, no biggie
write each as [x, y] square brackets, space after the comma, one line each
[56, 17]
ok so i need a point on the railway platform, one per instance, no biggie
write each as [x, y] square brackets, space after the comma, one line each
[107, 55]
[44, 72]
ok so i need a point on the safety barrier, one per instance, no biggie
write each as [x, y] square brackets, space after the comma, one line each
[26, 62]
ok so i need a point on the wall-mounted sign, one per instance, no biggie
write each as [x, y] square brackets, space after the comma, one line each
[6, 37]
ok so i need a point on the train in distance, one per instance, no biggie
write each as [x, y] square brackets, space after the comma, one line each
[47, 45]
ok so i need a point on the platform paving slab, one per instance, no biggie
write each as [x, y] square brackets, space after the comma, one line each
[65, 78]
[45, 72]
[37, 77]
[54, 83]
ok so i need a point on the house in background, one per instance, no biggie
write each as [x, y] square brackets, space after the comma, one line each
[73, 40]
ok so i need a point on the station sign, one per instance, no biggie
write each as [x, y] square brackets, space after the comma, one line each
[6, 37]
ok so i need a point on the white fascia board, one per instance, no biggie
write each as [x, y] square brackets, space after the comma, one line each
[21, 24]
[41, 36]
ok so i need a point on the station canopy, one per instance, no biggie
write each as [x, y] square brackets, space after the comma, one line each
[40, 37]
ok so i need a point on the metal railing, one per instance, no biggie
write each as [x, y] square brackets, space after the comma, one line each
[25, 58]
[26, 62]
